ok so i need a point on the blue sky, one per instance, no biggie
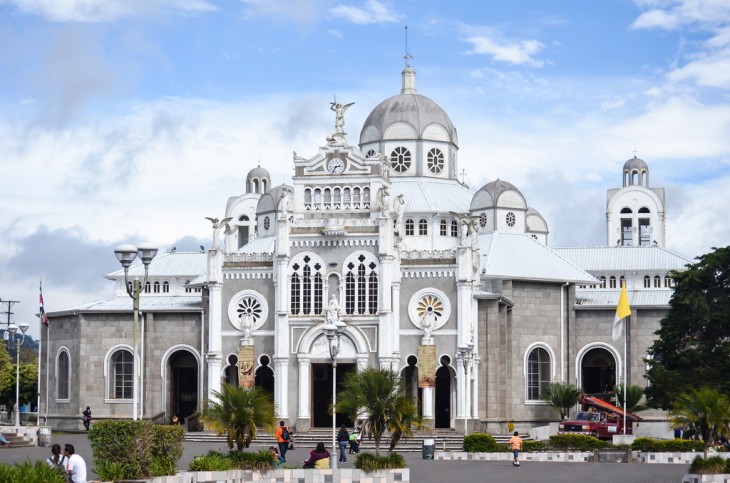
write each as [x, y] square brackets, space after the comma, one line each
[133, 120]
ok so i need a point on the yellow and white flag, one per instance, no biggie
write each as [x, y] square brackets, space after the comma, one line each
[622, 311]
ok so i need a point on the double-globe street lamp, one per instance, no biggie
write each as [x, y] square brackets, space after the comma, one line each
[465, 351]
[126, 255]
[333, 329]
[13, 329]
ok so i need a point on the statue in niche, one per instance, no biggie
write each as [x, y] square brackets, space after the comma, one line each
[333, 311]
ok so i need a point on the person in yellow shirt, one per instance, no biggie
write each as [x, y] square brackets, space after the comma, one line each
[515, 442]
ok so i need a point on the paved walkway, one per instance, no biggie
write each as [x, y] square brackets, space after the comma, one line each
[422, 471]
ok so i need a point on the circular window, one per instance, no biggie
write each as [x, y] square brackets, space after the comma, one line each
[247, 306]
[267, 223]
[400, 159]
[483, 220]
[435, 160]
[429, 307]
[510, 219]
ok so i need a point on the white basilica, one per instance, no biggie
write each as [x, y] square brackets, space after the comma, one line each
[455, 289]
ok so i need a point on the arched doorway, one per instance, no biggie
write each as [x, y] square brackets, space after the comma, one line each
[183, 368]
[409, 381]
[264, 377]
[598, 371]
[442, 414]
[231, 371]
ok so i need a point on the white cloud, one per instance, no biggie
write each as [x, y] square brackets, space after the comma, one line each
[518, 52]
[674, 14]
[106, 10]
[298, 11]
[712, 70]
[373, 12]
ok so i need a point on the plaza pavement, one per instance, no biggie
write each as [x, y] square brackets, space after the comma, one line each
[422, 471]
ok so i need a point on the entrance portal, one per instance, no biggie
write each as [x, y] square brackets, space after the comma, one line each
[598, 371]
[442, 414]
[183, 367]
[322, 394]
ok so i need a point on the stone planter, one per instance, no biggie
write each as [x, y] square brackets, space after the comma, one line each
[719, 478]
[299, 475]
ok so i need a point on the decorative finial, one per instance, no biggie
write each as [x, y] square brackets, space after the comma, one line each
[635, 151]
[463, 173]
[408, 55]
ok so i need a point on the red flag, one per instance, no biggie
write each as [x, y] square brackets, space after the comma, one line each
[44, 317]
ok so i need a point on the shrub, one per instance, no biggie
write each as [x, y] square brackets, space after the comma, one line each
[666, 445]
[240, 460]
[108, 471]
[710, 466]
[369, 462]
[480, 443]
[576, 442]
[533, 446]
[139, 448]
[30, 472]
[213, 461]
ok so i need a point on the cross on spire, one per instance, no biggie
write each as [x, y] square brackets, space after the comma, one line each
[408, 55]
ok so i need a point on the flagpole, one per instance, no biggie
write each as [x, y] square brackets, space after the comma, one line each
[626, 338]
[38, 386]
[48, 346]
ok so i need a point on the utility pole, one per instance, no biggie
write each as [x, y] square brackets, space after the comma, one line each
[9, 313]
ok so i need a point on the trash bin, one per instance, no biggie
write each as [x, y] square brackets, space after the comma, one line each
[428, 449]
[44, 436]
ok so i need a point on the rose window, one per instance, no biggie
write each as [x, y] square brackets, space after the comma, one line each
[511, 219]
[249, 306]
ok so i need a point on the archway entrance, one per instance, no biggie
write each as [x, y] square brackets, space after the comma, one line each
[409, 382]
[322, 394]
[183, 367]
[442, 413]
[264, 377]
[598, 371]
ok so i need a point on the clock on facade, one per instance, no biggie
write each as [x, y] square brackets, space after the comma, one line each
[336, 166]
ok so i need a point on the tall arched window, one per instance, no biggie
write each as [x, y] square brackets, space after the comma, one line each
[62, 375]
[647, 281]
[122, 377]
[612, 282]
[306, 287]
[165, 287]
[423, 227]
[156, 287]
[657, 281]
[603, 281]
[361, 284]
[409, 227]
[443, 229]
[538, 373]
[454, 228]
[667, 281]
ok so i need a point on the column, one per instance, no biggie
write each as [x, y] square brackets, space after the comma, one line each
[281, 387]
[305, 380]
[214, 357]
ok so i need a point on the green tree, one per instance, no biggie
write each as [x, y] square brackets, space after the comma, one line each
[237, 412]
[704, 412]
[693, 344]
[28, 380]
[561, 396]
[375, 395]
[633, 397]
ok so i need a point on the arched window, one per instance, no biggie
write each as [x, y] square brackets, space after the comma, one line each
[657, 281]
[63, 377]
[147, 287]
[122, 375]
[621, 281]
[647, 281]
[423, 227]
[538, 373]
[603, 281]
[454, 228]
[306, 286]
[443, 228]
[612, 282]
[409, 227]
[668, 281]
[157, 287]
[165, 287]
[361, 284]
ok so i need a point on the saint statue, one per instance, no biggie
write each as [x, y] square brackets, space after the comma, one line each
[333, 311]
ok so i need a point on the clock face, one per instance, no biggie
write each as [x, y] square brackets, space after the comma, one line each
[336, 166]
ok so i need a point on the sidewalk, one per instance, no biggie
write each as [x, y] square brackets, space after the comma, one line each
[422, 471]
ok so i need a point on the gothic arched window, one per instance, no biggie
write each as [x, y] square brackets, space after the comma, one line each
[305, 285]
[538, 373]
[361, 284]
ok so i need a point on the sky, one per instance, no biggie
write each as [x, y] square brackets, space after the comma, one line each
[130, 121]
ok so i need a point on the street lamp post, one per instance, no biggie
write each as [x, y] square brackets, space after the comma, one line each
[126, 255]
[466, 355]
[18, 342]
[333, 330]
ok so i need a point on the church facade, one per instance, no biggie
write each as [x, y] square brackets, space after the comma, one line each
[455, 289]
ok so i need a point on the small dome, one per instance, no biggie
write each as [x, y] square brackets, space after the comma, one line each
[258, 180]
[271, 201]
[488, 196]
[635, 164]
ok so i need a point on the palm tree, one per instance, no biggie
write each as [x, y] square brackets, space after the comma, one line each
[633, 397]
[561, 396]
[374, 394]
[704, 411]
[237, 412]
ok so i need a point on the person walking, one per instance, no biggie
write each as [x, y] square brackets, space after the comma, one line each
[86, 418]
[282, 439]
[343, 439]
[75, 467]
[515, 442]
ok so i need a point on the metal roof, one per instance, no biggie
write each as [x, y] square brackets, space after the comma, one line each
[429, 195]
[259, 245]
[520, 257]
[149, 303]
[623, 258]
[171, 264]
[608, 298]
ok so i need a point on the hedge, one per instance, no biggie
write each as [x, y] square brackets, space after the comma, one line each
[666, 445]
[480, 443]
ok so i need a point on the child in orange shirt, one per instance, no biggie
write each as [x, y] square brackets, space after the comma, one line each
[515, 442]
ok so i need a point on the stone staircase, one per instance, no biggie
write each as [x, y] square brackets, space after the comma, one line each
[17, 441]
[444, 439]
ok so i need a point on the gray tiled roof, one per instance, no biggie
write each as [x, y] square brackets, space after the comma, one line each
[149, 303]
[623, 258]
[424, 195]
[596, 298]
[175, 264]
[520, 257]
